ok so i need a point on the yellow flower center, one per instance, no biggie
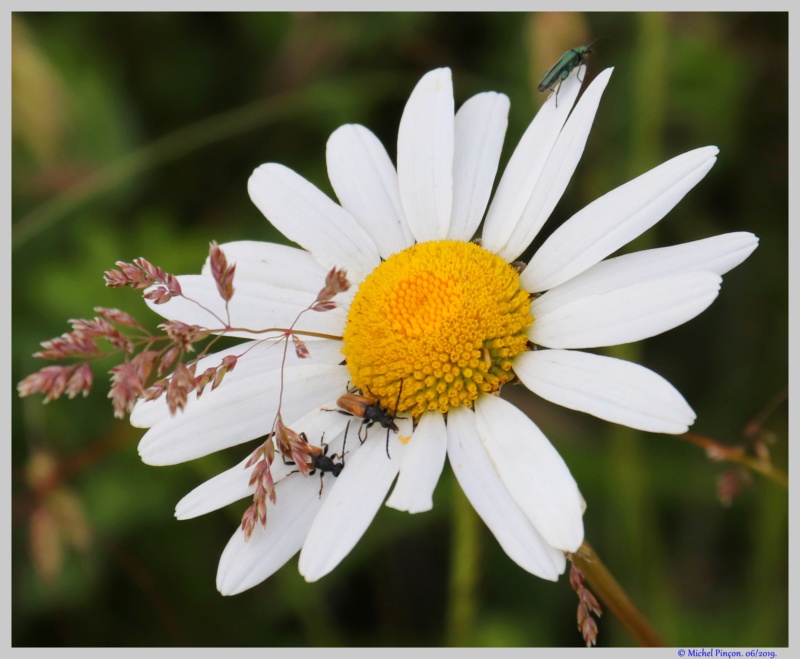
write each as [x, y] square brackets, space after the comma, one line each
[442, 320]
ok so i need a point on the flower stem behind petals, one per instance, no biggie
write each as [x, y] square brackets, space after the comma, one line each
[465, 557]
[615, 598]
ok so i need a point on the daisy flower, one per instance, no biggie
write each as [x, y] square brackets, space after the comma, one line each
[434, 324]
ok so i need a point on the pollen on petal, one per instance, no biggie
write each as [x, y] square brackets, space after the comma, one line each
[434, 326]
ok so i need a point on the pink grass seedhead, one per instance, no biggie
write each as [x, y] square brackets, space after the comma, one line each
[587, 605]
[335, 282]
[221, 271]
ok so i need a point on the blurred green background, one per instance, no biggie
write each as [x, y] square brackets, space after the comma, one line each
[134, 135]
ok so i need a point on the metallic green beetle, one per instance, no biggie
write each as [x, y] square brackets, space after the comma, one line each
[563, 67]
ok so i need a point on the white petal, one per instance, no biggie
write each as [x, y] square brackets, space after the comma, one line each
[353, 502]
[425, 156]
[488, 495]
[239, 411]
[258, 360]
[232, 484]
[718, 254]
[480, 128]
[610, 389]
[304, 214]
[365, 181]
[270, 263]
[245, 564]
[536, 476]
[626, 314]
[423, 460]
[221, 490]
[525, 167]
[558, 169]
[254, 306]
[615, 219]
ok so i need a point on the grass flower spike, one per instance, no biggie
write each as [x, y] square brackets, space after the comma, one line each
[432, 326]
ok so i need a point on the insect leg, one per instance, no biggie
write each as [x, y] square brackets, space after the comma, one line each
[344, 442]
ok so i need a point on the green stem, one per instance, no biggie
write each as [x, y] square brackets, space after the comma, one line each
[633, 499]
[464, 561]
[615, 598]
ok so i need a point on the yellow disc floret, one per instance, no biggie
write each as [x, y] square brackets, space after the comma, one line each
[442, 320]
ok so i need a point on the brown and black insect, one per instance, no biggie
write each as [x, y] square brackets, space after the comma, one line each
[369, 410]
[321, 461]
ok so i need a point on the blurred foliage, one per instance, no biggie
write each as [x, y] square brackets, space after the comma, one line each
[134, 135]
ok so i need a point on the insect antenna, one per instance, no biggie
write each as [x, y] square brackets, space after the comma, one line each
[392, 418]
